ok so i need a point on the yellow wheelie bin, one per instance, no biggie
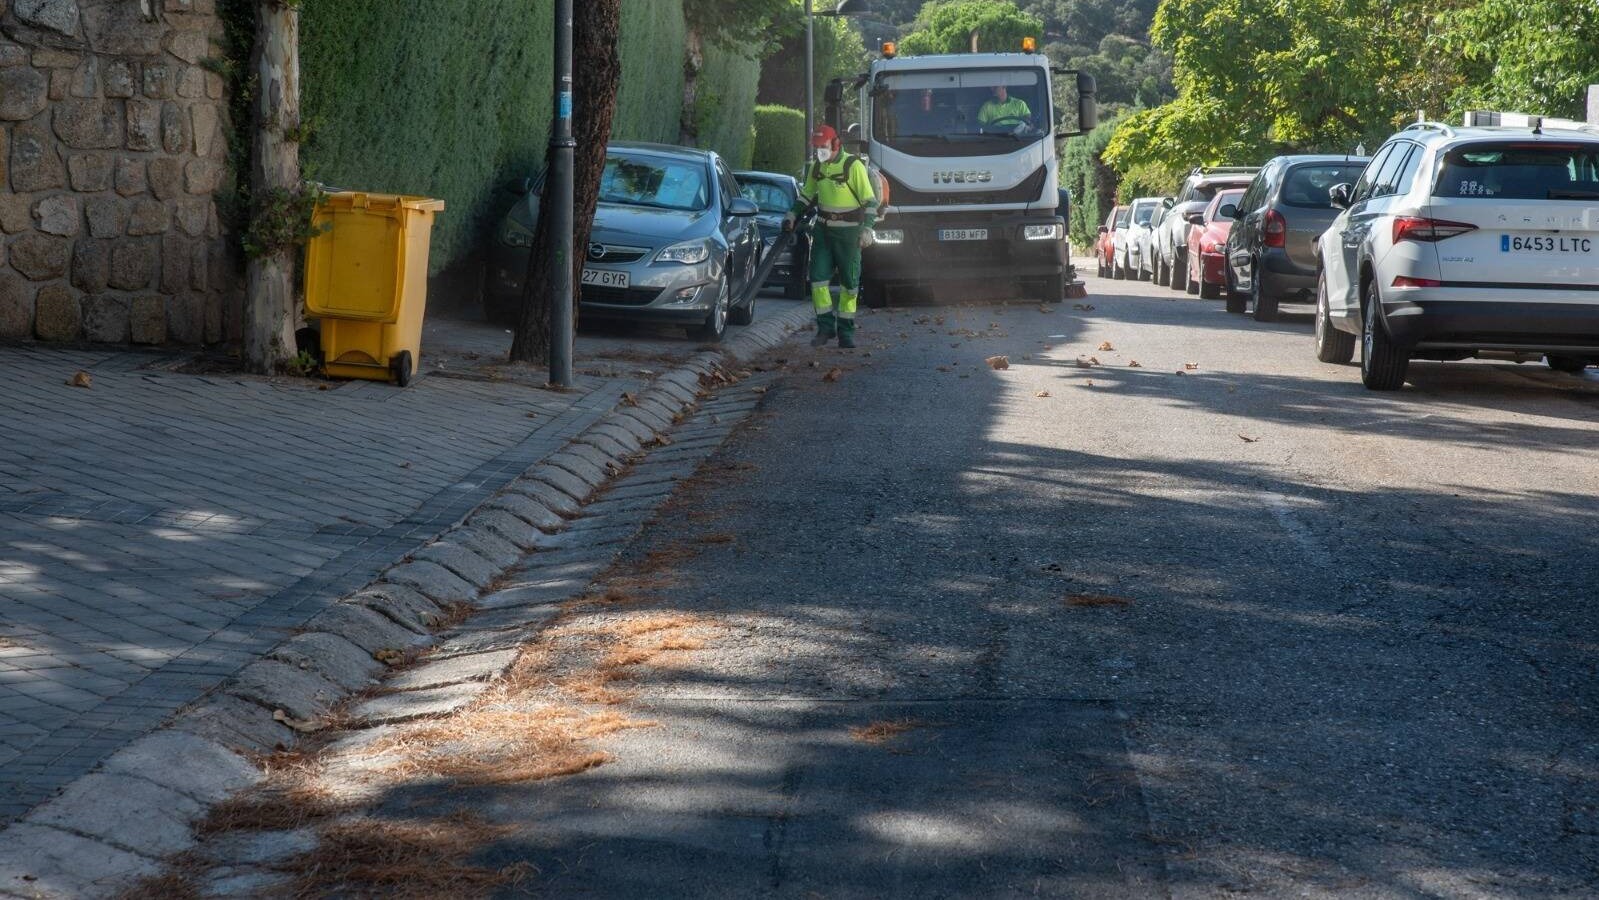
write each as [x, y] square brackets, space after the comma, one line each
[366, 281]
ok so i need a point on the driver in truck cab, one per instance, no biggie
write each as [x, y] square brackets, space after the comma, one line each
[841, 188]
[1002, 107]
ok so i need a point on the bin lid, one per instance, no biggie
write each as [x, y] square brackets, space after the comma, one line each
[368, 200]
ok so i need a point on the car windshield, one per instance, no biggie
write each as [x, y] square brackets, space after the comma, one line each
[1307, 186]
[1121, 217]
[655, 182]
[1512, 171]
[770, 197]
[944, 113]
[1142, 214]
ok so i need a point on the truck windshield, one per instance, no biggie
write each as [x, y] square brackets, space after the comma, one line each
[960, 113]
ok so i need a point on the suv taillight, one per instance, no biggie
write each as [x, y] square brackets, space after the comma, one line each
[1416, 228]
[1275, 229]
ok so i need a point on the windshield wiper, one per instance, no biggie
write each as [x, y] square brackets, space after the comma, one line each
[1562, 194]
[922, 137]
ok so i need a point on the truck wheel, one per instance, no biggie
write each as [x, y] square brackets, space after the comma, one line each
[1054, 288]
[874, 294]
[1382, 364]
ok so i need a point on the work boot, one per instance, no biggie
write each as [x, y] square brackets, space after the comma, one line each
[846, 334]
[826, 328]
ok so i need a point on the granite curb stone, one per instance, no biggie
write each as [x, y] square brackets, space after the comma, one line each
[403, 605]
[461, 560]
[528, 510]
[433, 580]
[551, 497]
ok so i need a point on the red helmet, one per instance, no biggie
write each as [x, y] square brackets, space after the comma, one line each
[824, 136]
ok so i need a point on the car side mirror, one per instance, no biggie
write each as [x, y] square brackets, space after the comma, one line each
[742, 208]
[1338, 195]
[1195, 218]
[519, 187]
[1168, 203]
[1228, 211]
[1104, 230]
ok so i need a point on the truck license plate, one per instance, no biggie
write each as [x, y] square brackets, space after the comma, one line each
[963, 234]
[605, 278]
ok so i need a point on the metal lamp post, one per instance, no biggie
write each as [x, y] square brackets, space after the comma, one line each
[844, 8]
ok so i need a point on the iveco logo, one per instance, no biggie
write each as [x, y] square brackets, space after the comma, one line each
[962, 177]
[597, 251]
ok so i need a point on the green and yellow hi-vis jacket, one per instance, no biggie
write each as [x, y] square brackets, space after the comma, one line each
[841, 189]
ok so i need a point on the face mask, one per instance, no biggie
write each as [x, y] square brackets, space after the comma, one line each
[824, 154]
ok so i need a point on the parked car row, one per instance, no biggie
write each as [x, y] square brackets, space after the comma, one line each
[1448, 243]
[677, 239]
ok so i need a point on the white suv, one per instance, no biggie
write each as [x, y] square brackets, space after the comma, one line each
[1458, 242]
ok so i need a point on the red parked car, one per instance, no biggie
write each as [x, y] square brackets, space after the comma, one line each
[1207, 245]
[1105, 247]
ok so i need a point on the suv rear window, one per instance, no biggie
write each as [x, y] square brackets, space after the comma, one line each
[1513, 171]
[1307, 186]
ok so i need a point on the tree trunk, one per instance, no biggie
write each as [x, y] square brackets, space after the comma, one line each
[274, 167]
[596, 78]
[688, 132]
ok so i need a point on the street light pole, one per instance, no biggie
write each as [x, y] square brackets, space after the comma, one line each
[563, 152]
[810, 71]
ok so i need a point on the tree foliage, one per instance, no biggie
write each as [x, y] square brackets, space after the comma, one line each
[946, 26]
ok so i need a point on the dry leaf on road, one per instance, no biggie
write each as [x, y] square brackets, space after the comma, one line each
[1045, 308]
[1106, 345]
[1248, 440]
[1042, 394]
[1191, 366]
[1085, 307]
[1084, 364]
[1133, 364]
[81, 379]
[833, 374]
[998, 362]
[1097, 600]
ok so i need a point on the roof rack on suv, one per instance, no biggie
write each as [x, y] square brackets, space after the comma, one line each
[1431, 126]
[1225, 170]
[1484, 118]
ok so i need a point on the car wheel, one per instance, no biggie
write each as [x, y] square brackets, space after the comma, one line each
[1235, 299]
[1382, 365]
[1179, 272]
[1116, 271]
[1570, 364]
[1332, 345]
[1262, 304]
[715, 326]
[1160, 274]
[1204, 289]
[743, 315]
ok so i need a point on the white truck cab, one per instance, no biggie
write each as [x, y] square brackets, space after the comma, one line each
[967, 144]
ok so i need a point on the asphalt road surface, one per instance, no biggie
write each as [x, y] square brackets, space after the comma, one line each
[1221, 623]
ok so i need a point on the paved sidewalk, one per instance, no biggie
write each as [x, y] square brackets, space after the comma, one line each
[160, 530]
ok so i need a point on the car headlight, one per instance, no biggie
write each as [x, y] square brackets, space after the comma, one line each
[1050, 232]
[689, 253]
[889, 235]
[1215, 247]
[515, 234]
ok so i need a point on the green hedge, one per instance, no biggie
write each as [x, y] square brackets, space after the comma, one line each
[452, 99]
[779, 139]
[1092, 183]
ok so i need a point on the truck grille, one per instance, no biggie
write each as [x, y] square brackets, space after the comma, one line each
[1029, 191]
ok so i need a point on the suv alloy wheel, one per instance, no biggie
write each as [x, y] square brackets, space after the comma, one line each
[1382, 365]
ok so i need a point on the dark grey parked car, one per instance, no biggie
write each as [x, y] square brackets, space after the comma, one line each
[774, 194]
[673, 242]
[1271, 250]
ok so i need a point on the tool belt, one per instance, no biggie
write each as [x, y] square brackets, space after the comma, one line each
[853, 217]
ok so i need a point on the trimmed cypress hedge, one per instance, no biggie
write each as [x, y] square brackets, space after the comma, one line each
[452, 99]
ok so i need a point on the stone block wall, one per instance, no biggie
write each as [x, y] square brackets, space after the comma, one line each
[113, 146]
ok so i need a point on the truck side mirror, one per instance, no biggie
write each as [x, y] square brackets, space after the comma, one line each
[1087, 104]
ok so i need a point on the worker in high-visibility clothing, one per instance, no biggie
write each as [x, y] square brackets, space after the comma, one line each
[841, 188]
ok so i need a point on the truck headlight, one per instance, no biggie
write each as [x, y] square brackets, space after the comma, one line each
[688, 253]
[890, 235]
[1050, 232]
[515, 234]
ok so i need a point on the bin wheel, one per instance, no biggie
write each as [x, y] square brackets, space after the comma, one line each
[400, 368]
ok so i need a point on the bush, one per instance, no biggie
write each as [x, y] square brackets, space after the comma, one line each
[779, 139]
[1091, 181]
[452, 99]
